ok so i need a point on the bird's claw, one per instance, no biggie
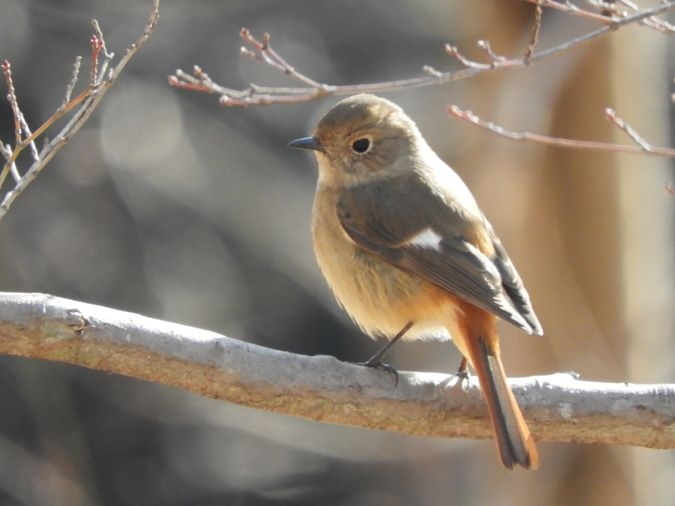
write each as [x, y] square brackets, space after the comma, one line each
[462, 379]
[376, 364]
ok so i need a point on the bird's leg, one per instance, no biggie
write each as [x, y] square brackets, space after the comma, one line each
[376, 360]
[462, 373]
[463, 369]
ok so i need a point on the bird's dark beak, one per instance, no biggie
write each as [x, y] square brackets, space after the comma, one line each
[307, 143]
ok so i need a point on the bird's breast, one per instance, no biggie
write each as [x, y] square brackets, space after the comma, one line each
[379, 297]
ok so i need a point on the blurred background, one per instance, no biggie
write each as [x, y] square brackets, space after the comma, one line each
[171, 206]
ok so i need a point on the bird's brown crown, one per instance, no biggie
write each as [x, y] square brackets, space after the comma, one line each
[364, 134]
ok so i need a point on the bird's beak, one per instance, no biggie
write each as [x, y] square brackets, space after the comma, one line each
[307, 143]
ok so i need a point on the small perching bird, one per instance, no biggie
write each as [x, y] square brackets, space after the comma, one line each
[408, 253]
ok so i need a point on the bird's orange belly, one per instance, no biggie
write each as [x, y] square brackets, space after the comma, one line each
[382, 298]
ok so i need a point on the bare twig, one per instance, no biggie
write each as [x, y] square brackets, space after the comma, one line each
[11, 98]
[642, 148]
[261, 50]
[558, 407]
[609, 12]
[630, 131]
[72, 83]
[20, 127]
[534, 33]
[97, 44]
[569, 8]
[100, 80]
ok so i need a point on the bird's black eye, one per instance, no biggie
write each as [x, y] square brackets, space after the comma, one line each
[361, 145]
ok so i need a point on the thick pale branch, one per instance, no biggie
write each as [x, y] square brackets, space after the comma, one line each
[321, 388]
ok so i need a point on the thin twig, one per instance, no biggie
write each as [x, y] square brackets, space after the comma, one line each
[482, 44]
[569, 8]
[13, 102]
[72, 83]
[82, 106]
[534, 33]
[107, 56]
[609, 12]
[630, 131]
[10, 165]
[261, 50]
[97, 45]
[660, 25]
[642, 148]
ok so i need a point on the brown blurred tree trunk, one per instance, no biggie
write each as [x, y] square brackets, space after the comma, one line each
[597, 252]
[640, 77]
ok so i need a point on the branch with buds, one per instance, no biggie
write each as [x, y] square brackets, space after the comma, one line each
[622, 13]
[610, 10]
[101, 78]
[641, 147]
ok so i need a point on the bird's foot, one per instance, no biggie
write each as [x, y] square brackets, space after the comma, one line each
[462, 381]
[376, 364]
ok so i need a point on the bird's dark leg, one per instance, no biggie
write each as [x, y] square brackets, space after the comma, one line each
[376, 360]
[462, 373]
[463, 369]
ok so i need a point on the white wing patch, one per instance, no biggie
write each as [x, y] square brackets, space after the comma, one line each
[427, 238]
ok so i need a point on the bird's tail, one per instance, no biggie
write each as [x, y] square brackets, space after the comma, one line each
[515, 443]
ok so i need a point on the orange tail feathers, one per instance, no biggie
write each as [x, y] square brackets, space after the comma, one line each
[514, 441]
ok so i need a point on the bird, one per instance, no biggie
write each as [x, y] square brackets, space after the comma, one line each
[408, 253]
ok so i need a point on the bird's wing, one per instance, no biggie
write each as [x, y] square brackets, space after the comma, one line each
[512, 284]
[432, 239]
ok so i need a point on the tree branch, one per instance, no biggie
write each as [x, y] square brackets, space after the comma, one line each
[610, 11]
[641, 146]
[84, 104]
[558, 407]
[261, 50]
